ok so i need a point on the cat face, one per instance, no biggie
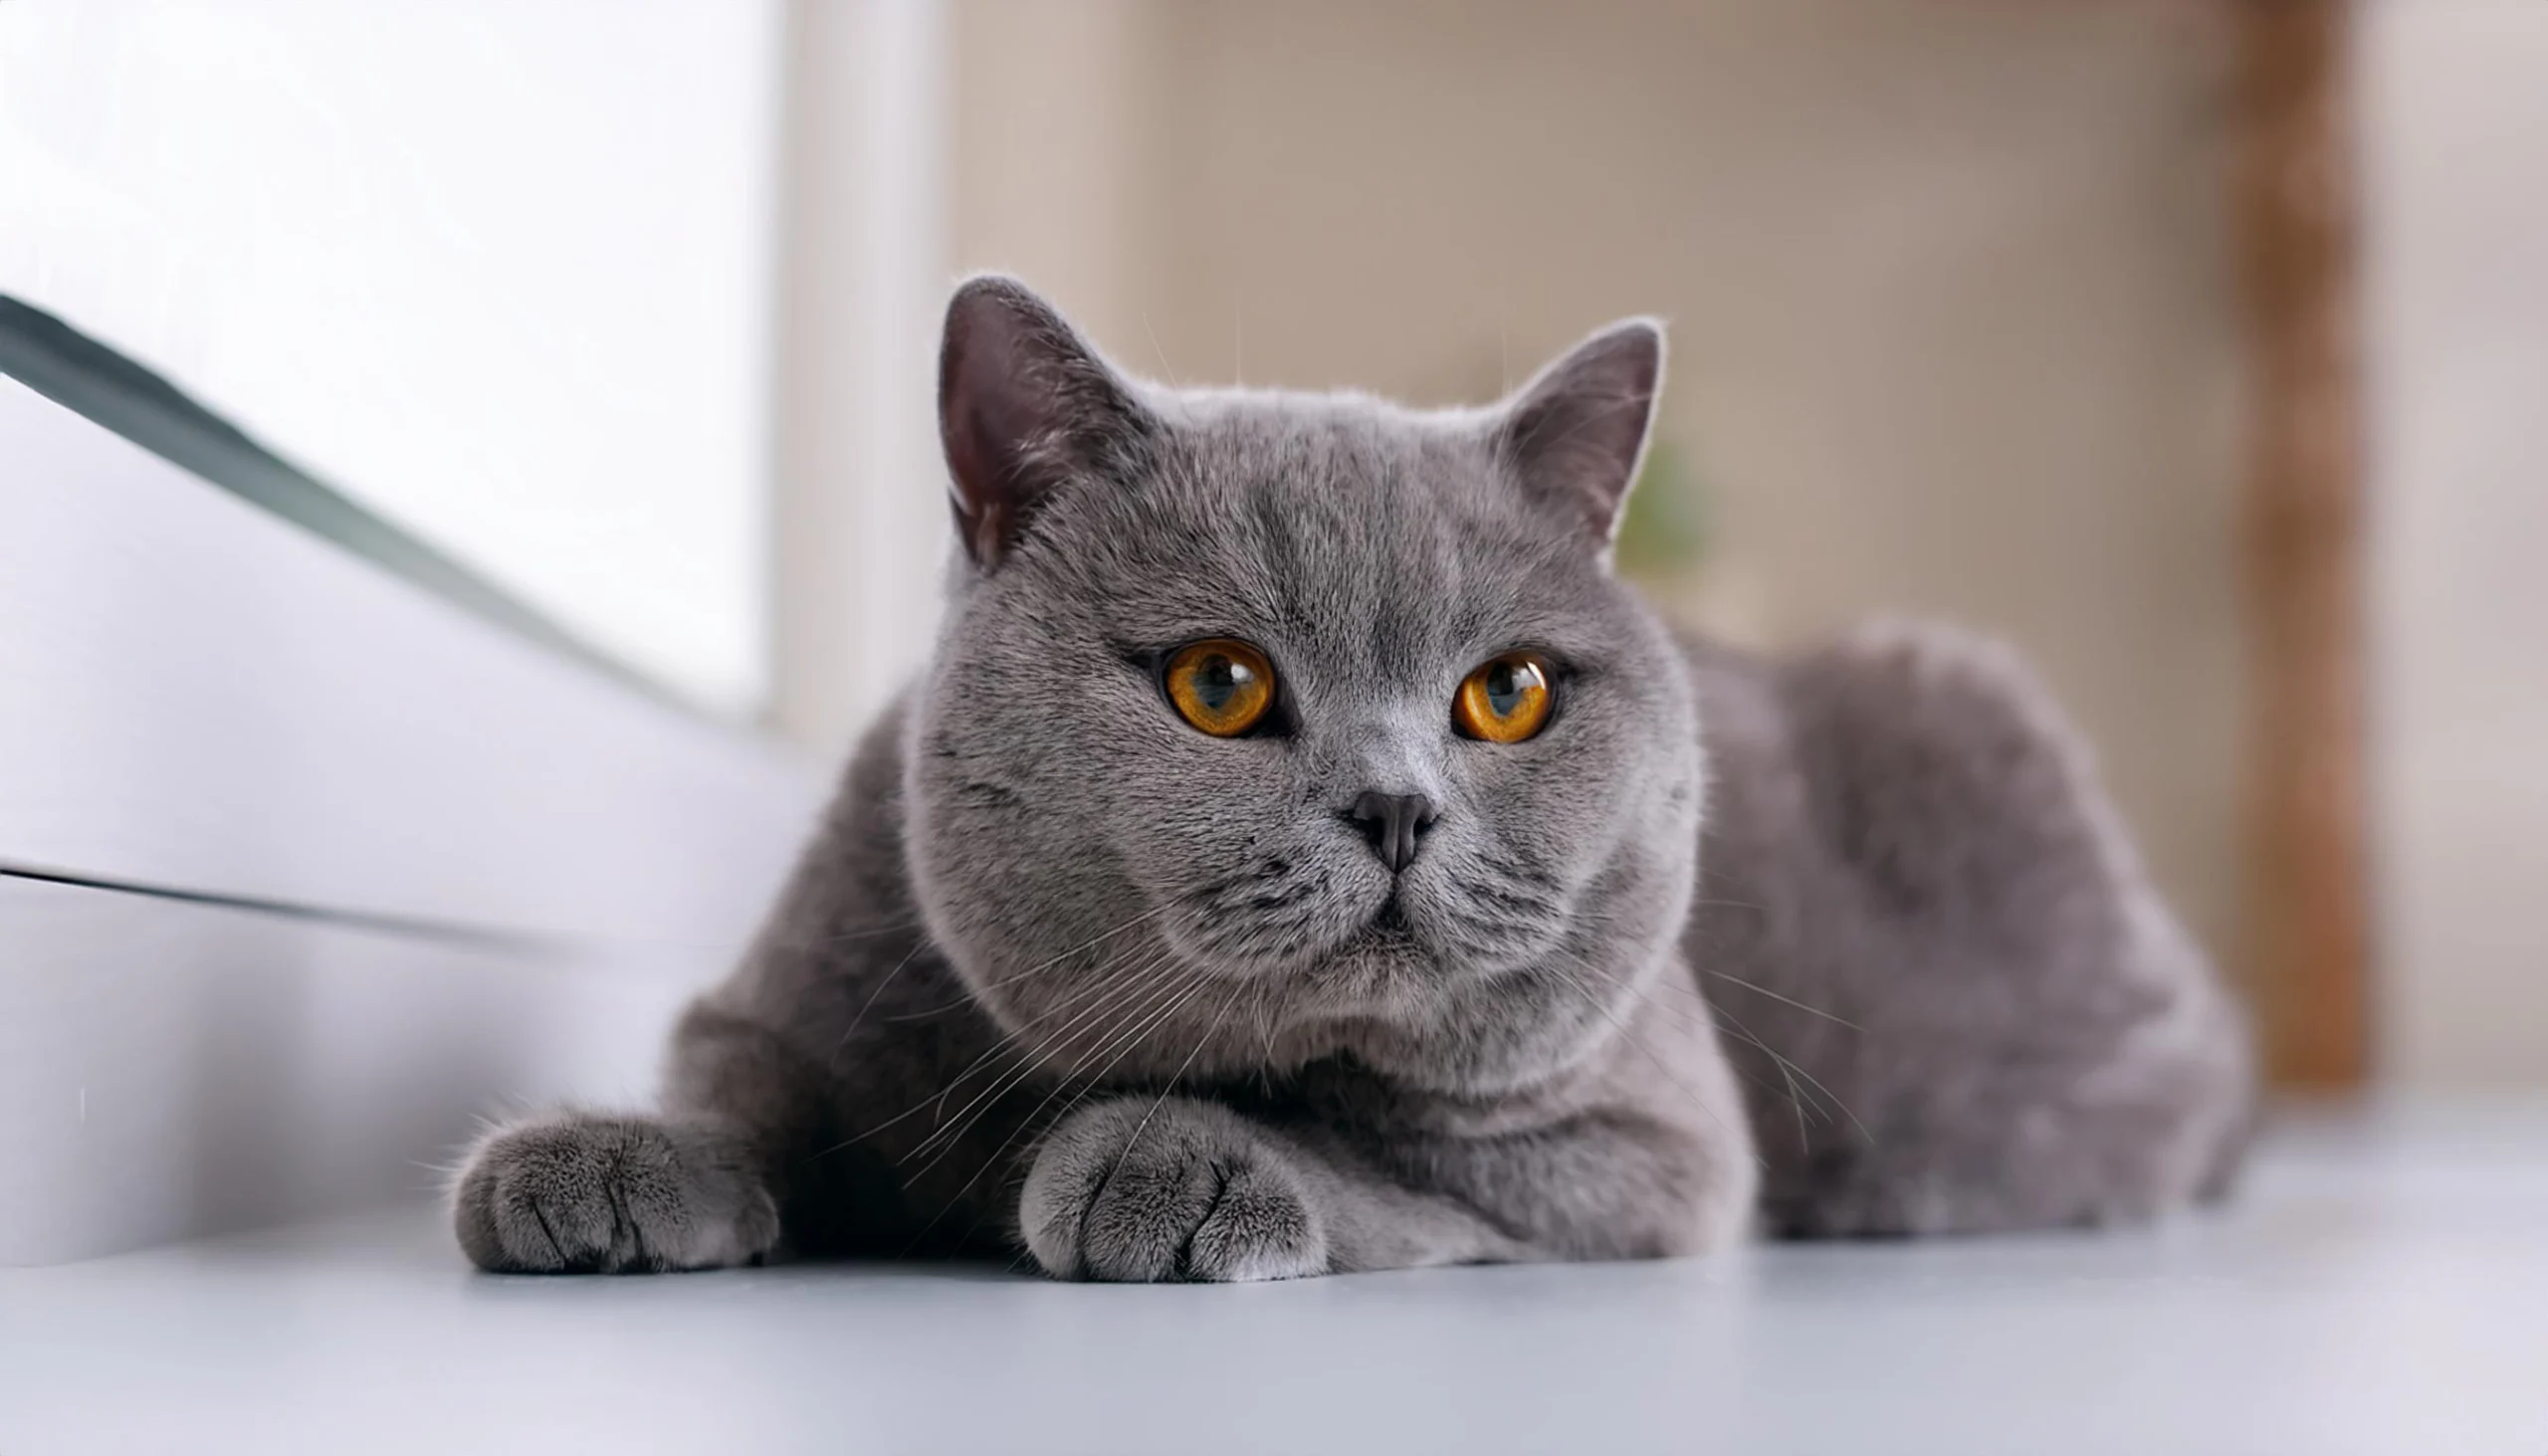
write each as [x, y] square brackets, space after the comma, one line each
[1264, 726]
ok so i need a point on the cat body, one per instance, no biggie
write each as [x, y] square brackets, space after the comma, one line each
[1465, 914]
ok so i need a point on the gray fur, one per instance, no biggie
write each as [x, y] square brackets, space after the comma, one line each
[1062, 977]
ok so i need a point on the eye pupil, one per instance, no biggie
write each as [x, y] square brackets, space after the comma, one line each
[1504, 700]
[1217, 680]
[1223, 686]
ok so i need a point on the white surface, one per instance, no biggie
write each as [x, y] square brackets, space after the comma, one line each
[2456, 152]
[167, 1070]
[2375, 1291]
[499, 270]
[196, 695]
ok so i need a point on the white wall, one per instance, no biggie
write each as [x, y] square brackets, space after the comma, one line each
[171, 1070]
[2454, 117]
[346, 865]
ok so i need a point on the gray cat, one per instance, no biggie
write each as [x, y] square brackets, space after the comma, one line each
[1302, 855]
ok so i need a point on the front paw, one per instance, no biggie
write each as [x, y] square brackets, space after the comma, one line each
[580, 1193]
[1143, 1190]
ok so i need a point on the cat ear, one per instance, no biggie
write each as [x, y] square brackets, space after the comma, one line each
[1025, 405]
[1575, 434]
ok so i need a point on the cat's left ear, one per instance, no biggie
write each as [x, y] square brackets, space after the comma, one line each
[1575, 434]
[1025, 407]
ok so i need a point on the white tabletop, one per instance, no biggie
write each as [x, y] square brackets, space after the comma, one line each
[2381, 1285]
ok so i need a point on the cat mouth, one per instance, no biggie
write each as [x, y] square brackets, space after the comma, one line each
[1387, 933]
[1389, 919]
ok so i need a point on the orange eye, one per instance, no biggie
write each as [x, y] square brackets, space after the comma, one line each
[1506, 700]
[1221, 686]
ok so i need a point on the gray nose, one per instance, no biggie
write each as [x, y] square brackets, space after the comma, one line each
[1393, 822]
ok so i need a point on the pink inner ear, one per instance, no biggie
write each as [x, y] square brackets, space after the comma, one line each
[981, 461]
[1023, 404]
[993, 399]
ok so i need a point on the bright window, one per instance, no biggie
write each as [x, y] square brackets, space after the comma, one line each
[498, 271]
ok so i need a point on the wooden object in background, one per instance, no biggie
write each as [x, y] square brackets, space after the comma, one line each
[2307, 920]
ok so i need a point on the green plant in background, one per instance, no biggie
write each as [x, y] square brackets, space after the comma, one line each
[1665, 532]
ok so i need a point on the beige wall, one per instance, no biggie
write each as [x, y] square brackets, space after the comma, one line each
[1948, 284]
[2454, 96]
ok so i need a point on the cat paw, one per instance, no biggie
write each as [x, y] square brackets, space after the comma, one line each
[582, 1193]
[1137, 1190]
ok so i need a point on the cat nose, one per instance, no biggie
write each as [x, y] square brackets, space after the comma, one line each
[1393, 822]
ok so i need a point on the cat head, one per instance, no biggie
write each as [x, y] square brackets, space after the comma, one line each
[1267, 725]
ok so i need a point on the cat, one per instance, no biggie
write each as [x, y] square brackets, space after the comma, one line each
[1302, 854]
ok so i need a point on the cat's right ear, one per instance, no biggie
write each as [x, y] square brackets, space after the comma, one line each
[1575, 434]
[1025, 405]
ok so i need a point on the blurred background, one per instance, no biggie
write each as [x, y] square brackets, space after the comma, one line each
[2190, 344]
[2183, 344]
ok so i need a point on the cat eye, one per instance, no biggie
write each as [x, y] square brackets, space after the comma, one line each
[1220, 685]
[1506, 700]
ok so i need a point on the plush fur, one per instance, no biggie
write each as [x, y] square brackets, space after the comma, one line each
[1849, 938]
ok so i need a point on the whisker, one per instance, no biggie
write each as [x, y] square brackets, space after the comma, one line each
[1004, 1042]
[1126, 1001]
[888, 927]
[1810, 1079]
[1128, 1042]
[1116, 995]
[1122, 1035]
[973, 998]
[1788, 1001]
[1629, 1035]
[1103, 990]
[1796, 1095]
[1174, 1078]
[833, 1061]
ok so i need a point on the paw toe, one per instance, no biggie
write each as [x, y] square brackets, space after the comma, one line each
[1135, 1226]
[1259, 1227]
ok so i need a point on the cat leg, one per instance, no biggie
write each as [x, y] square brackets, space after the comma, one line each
[2052, 1165]
[1136, 1189]
[1177, 1188]
[1964, 979]
[695, 1187]
[2155, 1122]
